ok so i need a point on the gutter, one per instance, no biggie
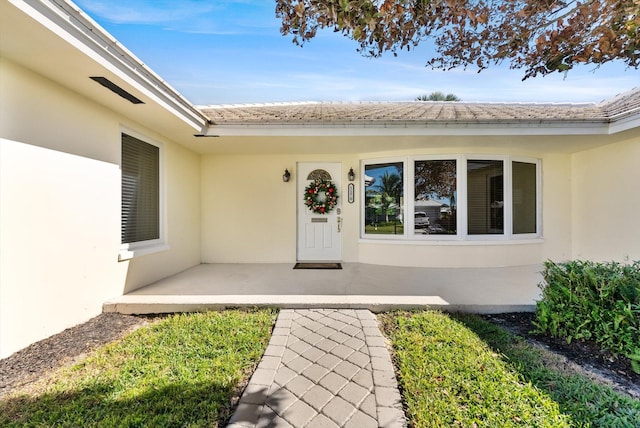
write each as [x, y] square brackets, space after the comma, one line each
[411, 128]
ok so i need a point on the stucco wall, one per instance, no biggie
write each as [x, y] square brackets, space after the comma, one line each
[60, 209]
[606, 201]
[249, 214]
[555, 242]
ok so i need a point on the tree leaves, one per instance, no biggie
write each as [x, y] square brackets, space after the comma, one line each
[539, 36]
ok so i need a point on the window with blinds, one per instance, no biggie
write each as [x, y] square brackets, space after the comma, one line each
[140, 215]
[485, 197]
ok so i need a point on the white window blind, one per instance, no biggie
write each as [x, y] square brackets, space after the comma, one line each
[140, 215]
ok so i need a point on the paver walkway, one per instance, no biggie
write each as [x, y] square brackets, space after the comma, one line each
[322, 368]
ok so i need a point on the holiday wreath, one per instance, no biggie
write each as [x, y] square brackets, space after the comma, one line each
[321, 196]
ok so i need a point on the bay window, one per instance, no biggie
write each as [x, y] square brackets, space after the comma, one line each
[434, 205]
[384, 198]
[485, 197]
[452, 198]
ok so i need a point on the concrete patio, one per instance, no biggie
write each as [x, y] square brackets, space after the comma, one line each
[356, 286]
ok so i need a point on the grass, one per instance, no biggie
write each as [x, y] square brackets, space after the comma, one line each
[454, 371]
[465, 372]
[181, 371]
[385, 229]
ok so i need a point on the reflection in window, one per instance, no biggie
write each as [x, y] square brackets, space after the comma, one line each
[435, 197]
[384, 199]
[524, 197]
[485, 197]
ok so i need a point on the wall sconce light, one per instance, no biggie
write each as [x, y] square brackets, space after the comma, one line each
[351, 175]
[286, 176]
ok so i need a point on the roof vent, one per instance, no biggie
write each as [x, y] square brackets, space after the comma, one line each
[117, 89]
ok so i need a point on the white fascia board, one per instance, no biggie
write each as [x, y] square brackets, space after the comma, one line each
[625, 123]
[75, 27]
[412, 129]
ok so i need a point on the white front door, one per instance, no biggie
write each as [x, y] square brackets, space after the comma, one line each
[319, 236]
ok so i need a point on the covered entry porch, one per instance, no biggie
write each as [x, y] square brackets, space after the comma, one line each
[356, 285]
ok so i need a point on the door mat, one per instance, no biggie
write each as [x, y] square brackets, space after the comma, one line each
[318, 266]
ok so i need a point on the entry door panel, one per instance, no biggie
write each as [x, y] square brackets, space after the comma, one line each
[319, 235]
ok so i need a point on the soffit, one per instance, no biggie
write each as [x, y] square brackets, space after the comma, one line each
[39, 36]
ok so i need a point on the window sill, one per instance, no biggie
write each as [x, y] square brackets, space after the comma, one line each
[130, 253]
[452, 242]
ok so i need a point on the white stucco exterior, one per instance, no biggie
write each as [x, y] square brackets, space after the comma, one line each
[60, 209]
[224, 200]
[606, 200]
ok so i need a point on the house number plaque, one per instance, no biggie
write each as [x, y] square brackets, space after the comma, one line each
[350, 193]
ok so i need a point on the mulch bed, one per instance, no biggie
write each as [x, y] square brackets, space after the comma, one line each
[35, 361]
[585, 354]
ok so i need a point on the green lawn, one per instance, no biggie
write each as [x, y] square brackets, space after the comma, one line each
[454, 371]
[181, 371]
[465, 372]
[385, 229]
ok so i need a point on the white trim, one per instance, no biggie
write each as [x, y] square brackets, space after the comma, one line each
[411, 211]
[376, 161]
[452, 242]
[130, 253]
[624, 123]
[142, 248]
[405, 128]
[462, 236]
[538, 163]
[506, 181]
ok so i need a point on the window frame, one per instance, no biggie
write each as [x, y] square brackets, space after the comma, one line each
[506, 171]
[462, 234]
[379, 161]
[538, 164]
[131, 250]
[411, 168]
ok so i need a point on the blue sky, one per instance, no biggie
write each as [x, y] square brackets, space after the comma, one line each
[232, 52]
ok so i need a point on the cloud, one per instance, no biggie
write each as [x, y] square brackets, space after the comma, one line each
[235, 54]
[144, 11]
[229, 17]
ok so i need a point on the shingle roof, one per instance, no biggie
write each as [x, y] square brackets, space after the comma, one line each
[419, 112]
[622, 104]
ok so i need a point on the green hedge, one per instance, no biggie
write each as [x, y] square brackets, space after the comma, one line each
[583, 300]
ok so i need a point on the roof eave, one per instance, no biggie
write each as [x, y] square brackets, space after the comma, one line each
[91, 38]
[625, 121]
[410, 128]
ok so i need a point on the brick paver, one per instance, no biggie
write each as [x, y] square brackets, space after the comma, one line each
[323, 368]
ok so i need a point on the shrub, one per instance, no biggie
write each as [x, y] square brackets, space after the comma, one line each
[583, 300]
